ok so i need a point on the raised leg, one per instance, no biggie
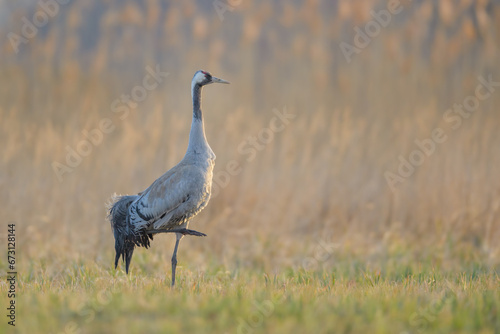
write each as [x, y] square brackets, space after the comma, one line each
[174, 256]
[183, 231]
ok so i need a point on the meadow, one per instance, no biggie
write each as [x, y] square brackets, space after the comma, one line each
[372, 206]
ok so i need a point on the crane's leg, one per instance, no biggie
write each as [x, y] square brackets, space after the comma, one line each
[183, 231]
[174, 256]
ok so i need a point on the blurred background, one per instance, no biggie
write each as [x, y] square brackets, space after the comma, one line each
[66, 67]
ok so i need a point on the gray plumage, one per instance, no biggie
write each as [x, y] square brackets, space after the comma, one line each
[173, 199]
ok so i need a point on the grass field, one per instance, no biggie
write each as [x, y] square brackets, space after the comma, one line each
[308, 233]
[388, 296]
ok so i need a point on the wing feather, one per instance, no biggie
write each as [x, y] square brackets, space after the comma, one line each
[164, 196]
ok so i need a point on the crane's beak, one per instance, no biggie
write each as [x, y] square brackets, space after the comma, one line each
[217, 80]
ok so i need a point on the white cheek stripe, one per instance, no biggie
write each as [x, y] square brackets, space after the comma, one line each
[198, 78]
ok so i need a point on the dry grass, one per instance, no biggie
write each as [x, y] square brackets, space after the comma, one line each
[320, 179]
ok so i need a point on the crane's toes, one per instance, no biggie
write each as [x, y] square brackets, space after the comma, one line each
[185, 231]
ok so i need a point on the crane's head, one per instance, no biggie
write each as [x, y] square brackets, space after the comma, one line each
[202, 78]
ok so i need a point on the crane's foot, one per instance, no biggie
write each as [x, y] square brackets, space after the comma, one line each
[183, 231]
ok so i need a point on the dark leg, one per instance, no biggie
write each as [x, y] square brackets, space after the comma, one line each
[174, 257]
[182, 231]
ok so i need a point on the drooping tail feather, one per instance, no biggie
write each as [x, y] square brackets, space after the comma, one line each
[126, 238]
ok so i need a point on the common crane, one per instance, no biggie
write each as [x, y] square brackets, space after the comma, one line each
[172, 200]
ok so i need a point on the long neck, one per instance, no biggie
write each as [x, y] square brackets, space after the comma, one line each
[197, 141]
[196, 95]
